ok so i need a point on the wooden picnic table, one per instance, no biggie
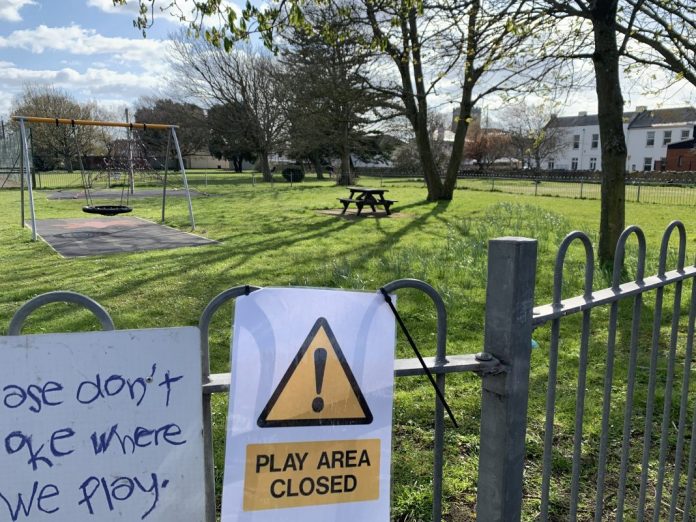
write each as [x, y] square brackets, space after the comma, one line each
[365, 196]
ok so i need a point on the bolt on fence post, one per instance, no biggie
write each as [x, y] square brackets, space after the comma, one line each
[508, 337]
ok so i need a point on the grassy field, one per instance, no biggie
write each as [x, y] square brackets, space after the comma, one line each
[277, 235]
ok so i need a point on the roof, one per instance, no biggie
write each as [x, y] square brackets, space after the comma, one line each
[652, 118]
[574, 121]
[688, 144]
[635, 120]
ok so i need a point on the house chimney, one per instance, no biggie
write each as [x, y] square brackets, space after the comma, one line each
[641, 108]
[582, 113]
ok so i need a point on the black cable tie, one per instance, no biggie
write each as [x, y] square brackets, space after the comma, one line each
[144, 126]
[438, 392]
[247, 290]
[57, 123]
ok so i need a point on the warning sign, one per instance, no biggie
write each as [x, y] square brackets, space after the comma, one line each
[310, 409]
[319, 387]
[311, 473]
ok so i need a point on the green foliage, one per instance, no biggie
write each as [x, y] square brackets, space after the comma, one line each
[293, 174]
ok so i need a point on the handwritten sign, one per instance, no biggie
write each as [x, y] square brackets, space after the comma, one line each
[309, 428]
[102, 426]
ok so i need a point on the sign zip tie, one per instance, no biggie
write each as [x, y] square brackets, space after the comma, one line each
[438, 392]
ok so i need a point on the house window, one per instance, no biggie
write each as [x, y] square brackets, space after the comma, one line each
[593, 163]
[651, 139]
[680, 161]
[667, 137]
[647, 164]
[663, 163]
[595, 141]
[576, 141]
[574, 164]
[684, 135]
[550, 164]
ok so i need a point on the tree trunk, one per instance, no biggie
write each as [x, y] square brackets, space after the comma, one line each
[265, 166]
[316, 162]
[237, 163]
[610, 111]
[431, 174]
[67, 162]
[346, 176]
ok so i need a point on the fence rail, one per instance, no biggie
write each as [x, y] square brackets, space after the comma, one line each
[664, 192]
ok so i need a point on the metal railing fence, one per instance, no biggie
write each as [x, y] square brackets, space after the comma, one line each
[613, 457]
[637, 190]
[440, 366]
[627, 457]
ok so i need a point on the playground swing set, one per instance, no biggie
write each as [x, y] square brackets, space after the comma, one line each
[123, 206]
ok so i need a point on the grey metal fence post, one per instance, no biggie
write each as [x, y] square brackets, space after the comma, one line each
[508, 336]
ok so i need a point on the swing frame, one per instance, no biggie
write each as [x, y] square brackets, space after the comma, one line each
[26, 163]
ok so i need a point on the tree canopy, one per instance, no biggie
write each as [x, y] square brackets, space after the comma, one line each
[193, 133]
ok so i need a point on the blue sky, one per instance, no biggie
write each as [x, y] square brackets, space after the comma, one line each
[90, 49]
[86, 47]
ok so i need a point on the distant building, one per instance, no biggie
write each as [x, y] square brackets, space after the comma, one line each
[682, 155]
[202, 159]
[648, 132]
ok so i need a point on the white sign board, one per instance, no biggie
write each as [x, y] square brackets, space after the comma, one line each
[101, 426]
[309, 425]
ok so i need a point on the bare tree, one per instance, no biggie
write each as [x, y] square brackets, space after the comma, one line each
[485, 146]
[483, 42]
[245, 77]
[533, 135]
[52, 145]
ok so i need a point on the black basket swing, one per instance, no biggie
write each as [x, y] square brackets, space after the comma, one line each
[103, 210]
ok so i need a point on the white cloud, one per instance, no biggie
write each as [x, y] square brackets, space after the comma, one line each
[108, 6]
[76, 40]
[93, 84]
[149, 54]
[9, 9]
[169, 12]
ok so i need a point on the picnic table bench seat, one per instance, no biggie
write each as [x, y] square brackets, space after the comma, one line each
[360, 203]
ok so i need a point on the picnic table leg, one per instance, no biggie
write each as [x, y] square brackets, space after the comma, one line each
[360, 207]
[345, 206]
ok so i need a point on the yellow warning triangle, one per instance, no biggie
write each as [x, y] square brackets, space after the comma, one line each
[318, 389]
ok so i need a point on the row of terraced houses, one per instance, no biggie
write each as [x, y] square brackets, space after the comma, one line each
[656, 139]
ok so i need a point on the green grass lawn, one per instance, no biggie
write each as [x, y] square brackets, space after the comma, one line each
[276, 235]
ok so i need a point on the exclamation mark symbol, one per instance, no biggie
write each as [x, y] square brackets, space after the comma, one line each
[319, 366]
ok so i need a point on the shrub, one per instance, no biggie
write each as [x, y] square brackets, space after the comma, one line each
[293, 174]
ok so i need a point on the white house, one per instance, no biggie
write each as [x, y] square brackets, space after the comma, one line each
[648, 132]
